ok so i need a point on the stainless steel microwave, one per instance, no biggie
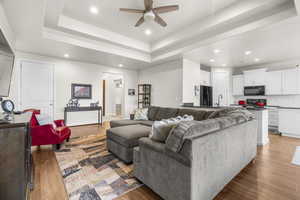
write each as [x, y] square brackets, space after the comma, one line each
[254, 90]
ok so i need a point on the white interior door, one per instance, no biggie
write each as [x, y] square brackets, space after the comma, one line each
[37, 87]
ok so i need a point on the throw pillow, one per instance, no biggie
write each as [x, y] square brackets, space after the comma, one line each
[161, 129]
[141, 114]
[43, 119]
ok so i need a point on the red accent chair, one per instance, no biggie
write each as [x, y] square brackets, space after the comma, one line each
[48, 134]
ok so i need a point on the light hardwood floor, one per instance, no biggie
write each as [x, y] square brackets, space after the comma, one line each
[271, 177]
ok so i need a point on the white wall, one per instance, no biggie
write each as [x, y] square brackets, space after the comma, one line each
[68, 72]
[6, 28]
[190, 79]
[166, 81]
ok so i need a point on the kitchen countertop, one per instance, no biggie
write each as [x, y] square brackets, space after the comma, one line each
[273, 106]
[221, 107]
[202, 107]
[249, 108]
[283, 107]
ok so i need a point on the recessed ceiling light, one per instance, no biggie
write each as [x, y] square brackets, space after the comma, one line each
[224, 65]
[121, 65]
[94, 10]
[148, 32]
[248, 52]
[217, 51]
[66, 55]
[256, 59]
[211, 60]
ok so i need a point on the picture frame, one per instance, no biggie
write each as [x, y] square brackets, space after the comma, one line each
[81, 91]
[131, 92]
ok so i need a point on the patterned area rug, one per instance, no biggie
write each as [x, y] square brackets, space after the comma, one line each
[90, 172]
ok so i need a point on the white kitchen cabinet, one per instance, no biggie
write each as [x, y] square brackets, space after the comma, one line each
[289, 122]
[274, 83]
[290, 81]
[273, 118]
[255, 77]
[262, 119]
[205, 78]
[238, 85]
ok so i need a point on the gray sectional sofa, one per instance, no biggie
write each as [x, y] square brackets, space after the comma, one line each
[197, 160]
[123, 132]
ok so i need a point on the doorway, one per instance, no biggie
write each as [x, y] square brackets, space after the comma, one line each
[112, 96]
[36, 87]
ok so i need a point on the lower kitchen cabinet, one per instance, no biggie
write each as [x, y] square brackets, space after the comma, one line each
[273, 119]
[289, 122]
[263, 133]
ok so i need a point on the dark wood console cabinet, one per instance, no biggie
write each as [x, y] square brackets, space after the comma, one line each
[15, 159]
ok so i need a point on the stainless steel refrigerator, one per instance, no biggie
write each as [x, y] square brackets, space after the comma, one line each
[206, 96]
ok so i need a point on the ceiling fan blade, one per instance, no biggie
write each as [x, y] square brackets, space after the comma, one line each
[131, 10]
[165, 9]
[141, 20]
[148, 4]
[159, 20]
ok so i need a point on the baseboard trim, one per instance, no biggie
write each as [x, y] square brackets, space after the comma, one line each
[84, 125]
[290, 135]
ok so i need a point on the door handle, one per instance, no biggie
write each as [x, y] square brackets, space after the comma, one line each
[50, 104]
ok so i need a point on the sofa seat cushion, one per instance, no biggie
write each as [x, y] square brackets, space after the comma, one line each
[128, 136]
[166, 113]
[125, 122]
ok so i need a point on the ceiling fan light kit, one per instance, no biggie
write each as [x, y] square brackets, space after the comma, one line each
[151, 13]
[149, 16]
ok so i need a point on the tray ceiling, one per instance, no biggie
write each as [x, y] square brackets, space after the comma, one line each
[56, 27]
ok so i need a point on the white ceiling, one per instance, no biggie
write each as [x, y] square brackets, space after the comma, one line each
[56, 27]
[274, 43]
[109, 17]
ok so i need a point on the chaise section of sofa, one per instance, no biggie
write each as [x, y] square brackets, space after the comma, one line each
[122, 140]
[202, 167]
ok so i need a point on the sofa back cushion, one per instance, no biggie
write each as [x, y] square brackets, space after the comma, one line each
[237, 112]
[152, 111]
[198, 115]
[222, 112]
[195, 129]
[166, 113]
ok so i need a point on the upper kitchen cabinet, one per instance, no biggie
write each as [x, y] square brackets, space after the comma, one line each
[284, 82]
[274, 83]
[205, 78]
[254, 77]
[290, 80]
[238, 85]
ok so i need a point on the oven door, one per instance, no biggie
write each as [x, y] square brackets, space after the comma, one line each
[254, 91]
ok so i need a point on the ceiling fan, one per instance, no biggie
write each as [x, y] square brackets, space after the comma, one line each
[151, 13]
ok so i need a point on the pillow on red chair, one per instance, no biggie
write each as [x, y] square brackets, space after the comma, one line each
[44, 120]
